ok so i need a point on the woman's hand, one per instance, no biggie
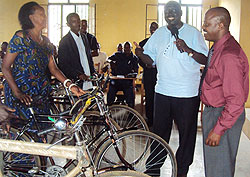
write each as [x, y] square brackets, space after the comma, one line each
[26, 99]
[76, 90]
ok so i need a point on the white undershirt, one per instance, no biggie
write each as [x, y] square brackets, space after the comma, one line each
[83, 59]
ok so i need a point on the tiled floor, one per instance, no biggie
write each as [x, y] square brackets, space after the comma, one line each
[197, 168]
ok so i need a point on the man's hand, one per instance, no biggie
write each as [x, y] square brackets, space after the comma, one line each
[182, 46]
[213, 139]
[77, 91]
[83, 77]
[138, 50]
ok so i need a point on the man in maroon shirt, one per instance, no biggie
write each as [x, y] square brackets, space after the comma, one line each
[224, 92]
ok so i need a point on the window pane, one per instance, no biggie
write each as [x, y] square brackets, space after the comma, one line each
[79, 1]
[58, 1]
[82, 11]
[184, 14]
[194, 17]
[54, 23]
[166, 1]
[161, 17]
[191, 1]
[67, 9]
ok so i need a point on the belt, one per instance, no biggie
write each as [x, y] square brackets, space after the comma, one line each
[208, 106]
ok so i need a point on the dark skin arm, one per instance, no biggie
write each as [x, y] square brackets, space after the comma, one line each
[60, 76]
[145, 58]
[6, 69]
[26, 99]
[83, 77]
[198, 57]
[213, 139]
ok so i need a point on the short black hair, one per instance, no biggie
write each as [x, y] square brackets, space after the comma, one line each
[119, 45]
[5, 43]
[173, 3]
[84, 20]
[71, 15]
[127, 43]
[223, 15]
[25, 11]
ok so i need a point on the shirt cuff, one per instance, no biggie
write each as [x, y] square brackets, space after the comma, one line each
[218, 129]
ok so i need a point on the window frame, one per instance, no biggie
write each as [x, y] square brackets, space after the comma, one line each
[186, 6]
[61, 9]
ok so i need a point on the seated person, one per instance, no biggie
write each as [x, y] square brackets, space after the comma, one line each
[123, 63]
[100, 59]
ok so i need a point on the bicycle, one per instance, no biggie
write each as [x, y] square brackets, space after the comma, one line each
[73, 130]
[125, 116]
[72, 152]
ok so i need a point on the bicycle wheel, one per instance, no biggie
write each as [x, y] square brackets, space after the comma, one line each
[16, 164]
[127, 117]
[146, 152]
[93, 125]
[129, 173]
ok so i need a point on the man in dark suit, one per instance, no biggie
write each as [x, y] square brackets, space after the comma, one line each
[94, 46]
[74, 55]
[149, 80]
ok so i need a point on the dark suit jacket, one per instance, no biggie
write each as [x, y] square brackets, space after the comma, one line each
[69, 58]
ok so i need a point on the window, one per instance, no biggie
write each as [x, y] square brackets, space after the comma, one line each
[191, 12]
[57, 13]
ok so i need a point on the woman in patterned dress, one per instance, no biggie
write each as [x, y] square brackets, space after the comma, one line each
[29, 54]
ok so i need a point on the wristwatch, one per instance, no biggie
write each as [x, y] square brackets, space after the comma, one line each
[191, 53]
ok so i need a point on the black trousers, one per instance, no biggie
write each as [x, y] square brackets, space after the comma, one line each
[121, 85]
[184, 112]
[149, 81]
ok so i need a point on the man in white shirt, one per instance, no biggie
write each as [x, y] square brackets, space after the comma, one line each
[74, 55]
[177, 50]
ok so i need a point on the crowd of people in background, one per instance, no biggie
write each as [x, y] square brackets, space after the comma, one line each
[171, 58]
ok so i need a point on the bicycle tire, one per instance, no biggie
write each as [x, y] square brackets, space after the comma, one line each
[88, 132]
[127, 117]
[147, 153]
[91, 128]
[13, 161]
[129, 173]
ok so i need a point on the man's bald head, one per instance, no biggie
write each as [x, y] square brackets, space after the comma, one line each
[222, 15]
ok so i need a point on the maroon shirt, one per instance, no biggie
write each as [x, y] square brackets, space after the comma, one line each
[226, 82]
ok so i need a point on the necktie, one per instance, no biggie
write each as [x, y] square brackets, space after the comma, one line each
[210, 54]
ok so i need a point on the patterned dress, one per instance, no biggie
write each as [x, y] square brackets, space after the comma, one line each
[29, 73]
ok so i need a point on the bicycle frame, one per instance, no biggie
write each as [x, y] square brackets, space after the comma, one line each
[95, 98]
[77, 152]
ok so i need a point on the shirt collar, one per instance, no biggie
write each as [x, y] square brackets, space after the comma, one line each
[220, 42]
[183, 26]
[74, 35]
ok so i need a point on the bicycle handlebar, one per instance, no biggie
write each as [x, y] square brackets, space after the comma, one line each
[46, 131]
